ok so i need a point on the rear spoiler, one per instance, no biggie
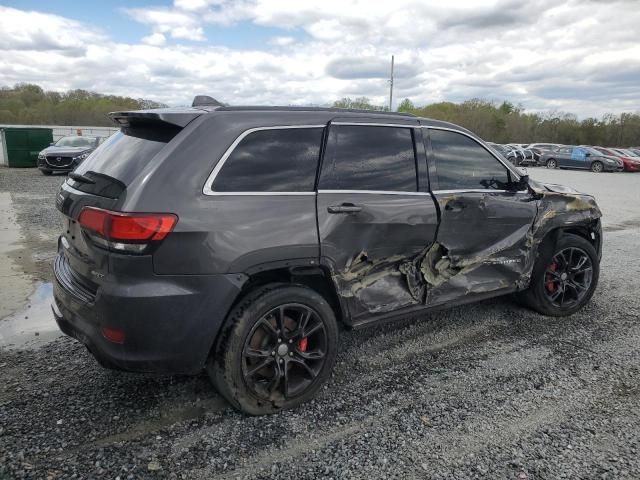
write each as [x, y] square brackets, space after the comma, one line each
[167, 116]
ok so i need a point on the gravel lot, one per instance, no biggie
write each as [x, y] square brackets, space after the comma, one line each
[484, 391]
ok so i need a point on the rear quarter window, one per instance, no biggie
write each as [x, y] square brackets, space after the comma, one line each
[272, 160]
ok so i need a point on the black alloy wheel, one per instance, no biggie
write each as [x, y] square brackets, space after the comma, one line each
[567, 279]
[276, 349]
[564, 277]
[284, 352]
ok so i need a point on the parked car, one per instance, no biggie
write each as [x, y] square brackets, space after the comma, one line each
[506, 152]
[539, 148]
[524, 156]
[235, 239]
[544, 146]
[66, 154]
[630, 163]
[580, 157]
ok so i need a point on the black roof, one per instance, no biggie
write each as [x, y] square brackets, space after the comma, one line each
[181, 116]
[259, 108]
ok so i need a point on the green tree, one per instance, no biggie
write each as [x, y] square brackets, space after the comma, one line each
[30, 105]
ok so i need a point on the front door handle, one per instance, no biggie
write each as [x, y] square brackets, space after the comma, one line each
[344, 208]
[455, 206]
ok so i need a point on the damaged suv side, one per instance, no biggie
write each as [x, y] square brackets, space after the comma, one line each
[237, 238]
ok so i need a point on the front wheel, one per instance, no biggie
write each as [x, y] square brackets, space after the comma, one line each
[551, 163]
[276, 350]
[564, 277]
[597, 167]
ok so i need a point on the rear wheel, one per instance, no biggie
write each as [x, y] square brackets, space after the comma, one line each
[564, 277]
[551, 163]
[276, 350]
[597, 167]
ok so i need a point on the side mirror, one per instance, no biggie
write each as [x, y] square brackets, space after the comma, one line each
[587, 154]
[521, 184]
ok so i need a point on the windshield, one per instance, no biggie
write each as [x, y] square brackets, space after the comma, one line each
[76, 141]
[592, 151]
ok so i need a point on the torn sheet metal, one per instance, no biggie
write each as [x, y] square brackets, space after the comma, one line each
[493, 247]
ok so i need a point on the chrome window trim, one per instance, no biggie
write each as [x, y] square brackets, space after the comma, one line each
[208, 184]
[470, 190]
[508, 167]
[256, 194]
[377, 192]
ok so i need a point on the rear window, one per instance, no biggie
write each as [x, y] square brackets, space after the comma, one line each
[272, 160]
[120, 158]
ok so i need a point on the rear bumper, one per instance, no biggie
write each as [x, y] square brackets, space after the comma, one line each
[169, 322]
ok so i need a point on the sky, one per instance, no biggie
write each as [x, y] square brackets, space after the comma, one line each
[579, 56]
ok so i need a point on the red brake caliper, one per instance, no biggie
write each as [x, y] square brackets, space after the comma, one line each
[302, 344]
[551, 286]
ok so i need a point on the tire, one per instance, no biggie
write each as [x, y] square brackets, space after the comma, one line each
[252, 328]
[597, 167]
[547, 281]
[551, 163]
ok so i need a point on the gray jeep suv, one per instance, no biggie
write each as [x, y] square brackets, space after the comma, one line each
[237, 239]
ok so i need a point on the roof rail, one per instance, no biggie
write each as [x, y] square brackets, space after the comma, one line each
[262, 108]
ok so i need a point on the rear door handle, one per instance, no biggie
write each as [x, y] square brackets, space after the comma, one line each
[344, 208]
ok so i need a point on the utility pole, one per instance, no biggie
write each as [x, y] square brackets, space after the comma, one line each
[391, 87]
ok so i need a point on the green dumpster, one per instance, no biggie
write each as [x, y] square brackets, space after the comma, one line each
[19, 146]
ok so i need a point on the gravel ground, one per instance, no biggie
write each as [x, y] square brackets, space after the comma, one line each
[490, 390]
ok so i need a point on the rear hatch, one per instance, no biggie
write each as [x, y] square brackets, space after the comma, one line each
[101, 182]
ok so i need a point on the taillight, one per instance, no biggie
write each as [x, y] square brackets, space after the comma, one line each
[126, 232]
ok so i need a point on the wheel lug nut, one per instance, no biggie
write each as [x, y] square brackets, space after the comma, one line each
[291, 354]
[281, 360]
[273, 354]
[290, 341]
[279, 340]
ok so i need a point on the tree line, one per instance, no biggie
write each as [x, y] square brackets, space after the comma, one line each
[507, 123]
[29, 104]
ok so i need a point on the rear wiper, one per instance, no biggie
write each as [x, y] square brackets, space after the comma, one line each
[80, 178]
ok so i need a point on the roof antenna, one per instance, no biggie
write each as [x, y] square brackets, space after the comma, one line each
[202, 100]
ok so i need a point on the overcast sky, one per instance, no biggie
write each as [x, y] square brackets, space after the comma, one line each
[581, 56]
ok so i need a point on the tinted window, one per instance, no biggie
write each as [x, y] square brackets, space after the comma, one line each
[369, 158]
[123, 155]
[462, 163]
[279, 160]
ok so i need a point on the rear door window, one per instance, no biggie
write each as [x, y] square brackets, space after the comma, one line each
[272, 160]
[361, 157]
[463, 164]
